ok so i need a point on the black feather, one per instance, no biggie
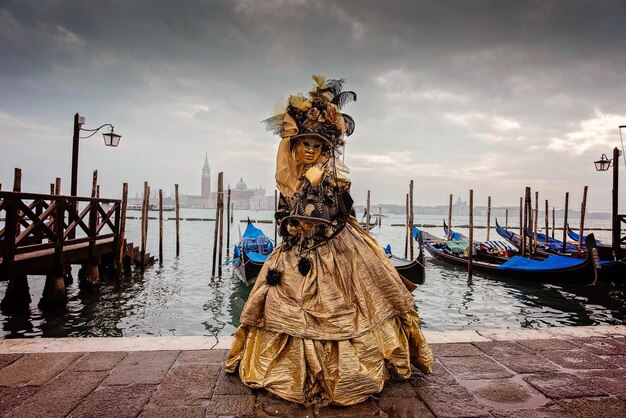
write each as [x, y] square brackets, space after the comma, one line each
[273, 277]
[343, 98]
[304, 266]
[334, 86]
[349, 122]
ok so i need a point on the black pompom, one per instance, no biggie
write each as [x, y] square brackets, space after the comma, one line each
[304, 266]
[273, 277]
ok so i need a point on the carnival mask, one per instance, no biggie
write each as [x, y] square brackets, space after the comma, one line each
[308, 150]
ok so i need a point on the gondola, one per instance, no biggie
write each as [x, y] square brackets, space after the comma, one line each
[412, 270]
[454, 236]
[544, 249]
[556, 269]
[250, 254]
[609, 269]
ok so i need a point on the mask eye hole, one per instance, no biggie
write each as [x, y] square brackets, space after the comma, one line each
[317, 146]
[306, 144]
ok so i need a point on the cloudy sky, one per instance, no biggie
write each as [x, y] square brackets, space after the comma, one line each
[456, 95]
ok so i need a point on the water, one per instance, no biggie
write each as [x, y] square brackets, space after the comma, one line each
[180, 297]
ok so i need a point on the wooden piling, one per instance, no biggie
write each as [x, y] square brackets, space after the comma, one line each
[161, 226]
[563, 248]
[470, 246]
[367, 213]
[52, 189]
[220, 199]
[553, 220]
[232, 212]
[412, 220]
[524, 223]
[177, 220]
[583, 208]
[488, 216]
[94, 183]
[536, 222]
[217, 220]
[379, 216]
[57, 186]
[122, 238]
[275, 210]
[449, 219]
[506, 218]
[547, 220]
[144, 222]
[17, 180]
[521, 225]
[228, 224]
[408, 232]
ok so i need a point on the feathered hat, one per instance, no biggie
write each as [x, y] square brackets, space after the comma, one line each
[317, 115]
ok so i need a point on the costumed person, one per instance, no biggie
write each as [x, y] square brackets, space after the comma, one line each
[329, 319]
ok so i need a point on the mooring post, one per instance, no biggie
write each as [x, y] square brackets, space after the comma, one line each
[535, 222]
[583, 208]
[228, 213]
[367, 213]
[448, 235]
[470, 246]
[54, 294]
[220, 198]
[121, 250]
[546, 217]
[616, 235]
[553, 220]
[57, 186]
[488, 216]
[216, 231]
[412, 219]
[506, 218]
[161, 226]
[17, 295]
[177, 221]
[563, 248]
[144, 222]
[409, 231]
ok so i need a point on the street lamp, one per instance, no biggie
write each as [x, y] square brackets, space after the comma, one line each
[111, 139]
[603, 163]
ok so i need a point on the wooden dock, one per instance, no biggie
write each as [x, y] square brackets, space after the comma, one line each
[44, 234]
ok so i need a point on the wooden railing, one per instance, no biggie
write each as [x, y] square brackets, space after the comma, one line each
[32, 222]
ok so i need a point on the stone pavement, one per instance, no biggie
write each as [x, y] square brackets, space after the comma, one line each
[556, 372]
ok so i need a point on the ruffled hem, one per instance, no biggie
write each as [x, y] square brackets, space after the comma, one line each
[343, 372]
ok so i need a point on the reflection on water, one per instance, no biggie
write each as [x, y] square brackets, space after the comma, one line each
[180, 297]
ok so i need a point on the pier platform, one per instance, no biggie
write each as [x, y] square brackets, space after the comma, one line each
[553, 372]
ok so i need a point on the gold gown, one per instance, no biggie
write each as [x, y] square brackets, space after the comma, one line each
[335, 334]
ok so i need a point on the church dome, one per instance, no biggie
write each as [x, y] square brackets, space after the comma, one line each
[241, 185]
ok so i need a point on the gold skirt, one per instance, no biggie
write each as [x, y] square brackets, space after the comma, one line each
[333, 334]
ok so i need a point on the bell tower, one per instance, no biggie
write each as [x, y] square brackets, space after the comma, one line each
[206, 178]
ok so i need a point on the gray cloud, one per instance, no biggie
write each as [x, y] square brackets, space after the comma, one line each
[492, 95]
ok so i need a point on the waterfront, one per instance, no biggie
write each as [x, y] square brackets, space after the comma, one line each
[180, 298]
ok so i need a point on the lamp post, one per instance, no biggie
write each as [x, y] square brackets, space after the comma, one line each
[111, 139]
[603, 164]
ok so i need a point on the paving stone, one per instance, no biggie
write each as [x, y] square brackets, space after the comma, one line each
[595, 407]
[6, 359]
[532, 363]
[268, 405]
[174, 412]
[98, 361]
[563, 385]
[59, 396]
[142, 367]
[368, 408]
[114, 401]
[455, 350]
[439, 376]
[230, 384]
[188, 385]
[612, 381]
[474, 368]
[35, 369]
[11, 397]
[577, 359]
[619, 361]
[404, 408]
[601, 346]
[548, 344]
[502, 348]
[506, 391]
[231, 405]
[547, 411]
[201, 357]
[397, 389]
[451, 401]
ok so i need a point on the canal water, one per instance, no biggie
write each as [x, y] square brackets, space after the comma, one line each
[179, 297]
